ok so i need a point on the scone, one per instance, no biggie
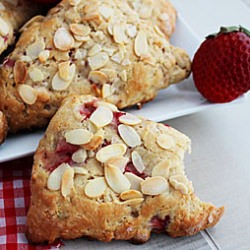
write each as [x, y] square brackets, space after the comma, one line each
[102, 48]
[3, 127]
[106, 174]
[13, 14]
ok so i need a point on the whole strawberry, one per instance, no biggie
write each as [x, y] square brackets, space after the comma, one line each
[221, 66]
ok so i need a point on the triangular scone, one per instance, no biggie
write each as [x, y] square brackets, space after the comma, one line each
[97, 47]
[13, 14]
[106, 174]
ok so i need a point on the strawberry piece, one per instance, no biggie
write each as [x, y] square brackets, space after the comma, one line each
[221, 65]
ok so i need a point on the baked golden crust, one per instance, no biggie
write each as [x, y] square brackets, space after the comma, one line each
[150, 191]
[3, 127]
[13, 14]
[102, 48]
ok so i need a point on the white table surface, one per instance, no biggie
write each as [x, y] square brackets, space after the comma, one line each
[219, 164]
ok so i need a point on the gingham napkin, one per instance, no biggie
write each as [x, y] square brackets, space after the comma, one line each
[14, 203]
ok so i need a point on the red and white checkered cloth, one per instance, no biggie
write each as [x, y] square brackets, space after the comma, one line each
[14, 203]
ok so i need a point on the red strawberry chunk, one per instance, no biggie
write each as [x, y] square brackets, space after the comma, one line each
[159, 225]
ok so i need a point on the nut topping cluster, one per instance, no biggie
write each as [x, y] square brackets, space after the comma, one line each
[114, 158]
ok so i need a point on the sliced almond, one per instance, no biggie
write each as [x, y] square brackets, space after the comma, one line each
[118, 57]
[129, 135]
[180, 183]
[161, 169]
[79, 29]
[110, 151]
[67, 182]
[118, 161]
[165, 141]
[123, 75]
[74, 2]
[97, 48]
[111, 106]
[141, 44]
[27, 93]
[95, 142]
[82, 38]
[145, 11]
[137, 161]
[20, 72]
[131, 30]
[98, 61]
[63, 39]
[78, 136]
[59, 84]
[154, 185]
[64, 70]
[4, 27]
[110, 73]
[106, 12]
[35, 49]
[119, 33]
[134, 180]
[133, 202]
[129, 119]
[79, 156]
[80, 170]
[36, 75]
[55, 177]
[116, 180]
[95, 187]
[101, 117]
[130, 194]
[44, 55]
[106, 90]
[24, 58]
[98, 77]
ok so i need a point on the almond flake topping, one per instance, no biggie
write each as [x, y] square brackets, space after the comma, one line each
[58, 83]
[79, 156]
[154, 185]
[79, 29]
[180, 183]
[106, 90]
[27, 93]
[145, 12]
[64, 70]
[95, 187]
[36, 75]
[129, 135]
[116, 180]
[74, 2]
[55, 177]
[67, 182]
[106, 12]
[97, 48]
[118, 161]
[130, 194]
[101, 117]
[110, 151]
[79, 170]
[161, 169]
[129, 119]
[141, 44]
[34, 49]
[119, 33]
[165, 141]
[63, 39]
[134, 180]
[98, 61]
[78, 136]
[137, 161]
[111, 106]
[98, 77]
[44, 55]
[131, 30]
[4, 28]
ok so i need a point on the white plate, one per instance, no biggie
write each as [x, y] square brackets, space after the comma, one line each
[175, 101]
